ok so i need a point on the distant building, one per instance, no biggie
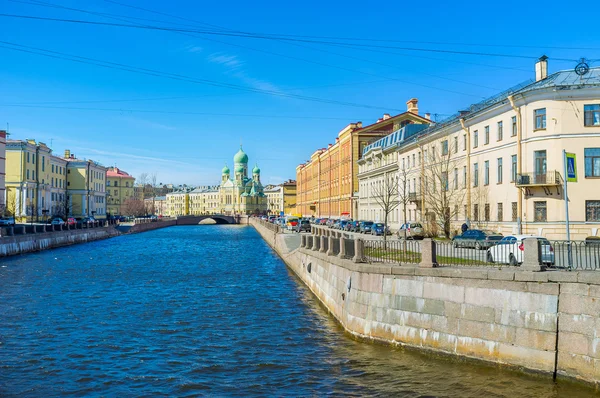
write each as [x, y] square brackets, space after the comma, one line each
[327, 184]
[86, 187]
[119, 188]
[281, 198]
[241, 194]
[204, 200]
[156, 206]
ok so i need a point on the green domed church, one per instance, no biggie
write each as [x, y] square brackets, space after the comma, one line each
[241, 194]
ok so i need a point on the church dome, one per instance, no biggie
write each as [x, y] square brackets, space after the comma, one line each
[239, 169]
[240, 157]
[255, 170]
[225, 170]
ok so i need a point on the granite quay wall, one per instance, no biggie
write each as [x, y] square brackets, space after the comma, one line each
[32, 242]
[545, 321]
[149, 226]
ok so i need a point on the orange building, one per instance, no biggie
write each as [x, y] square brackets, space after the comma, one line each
[327, 184]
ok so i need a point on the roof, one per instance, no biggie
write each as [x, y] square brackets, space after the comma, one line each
[396, 137]
[562, 80]
[115, 172]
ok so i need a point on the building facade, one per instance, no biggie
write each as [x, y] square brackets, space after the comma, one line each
[119, 189]
[86, 187]
[3, 209]
[327, 184]
[499, 165]
[204, 200]
[178, 203]
[281, 198]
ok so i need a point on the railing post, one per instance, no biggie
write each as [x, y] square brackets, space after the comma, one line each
[532, 256]
[330, 246]
[322, 249]
[428, 254]
[302, 240]
[359, 250]
[342, 253]
[315, 243]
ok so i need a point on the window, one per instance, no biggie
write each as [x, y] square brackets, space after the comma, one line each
[115, 184]
[475, 139]
[499, 171]
[514, 211]
[487, 135]
[540, 119]
[445, 180]
[455, 144]
[116, 192]
[476, 175]
[33, 158]
[455, 178]
[513, 132]
[33, 175]
[592, 210]
[28, 174]
[486, 175]
[591, 115]
[464, 142]
[127, 183]
[43, 163]
[486, 212]
[500, 132]
[53, 168]
[445, 147]
[27, 157]
[513, 168]
[464, 176]
[539, 211]
[425, 156]
[476, 212]
[404, 164]
[500, 211]
[592, 162]
[419, 157]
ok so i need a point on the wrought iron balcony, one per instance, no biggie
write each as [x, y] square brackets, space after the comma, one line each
[548, 179]
[414, 197]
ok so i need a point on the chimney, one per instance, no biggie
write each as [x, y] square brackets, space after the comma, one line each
[541, 68]
[428, 116]
[411, 106]
[463, 113]
[67, 154]
[386, 116]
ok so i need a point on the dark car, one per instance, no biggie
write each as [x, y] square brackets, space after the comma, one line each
[303, 226]
[350, 225]
[379, 229]
[477, 239]
[342, 225]
[365, 227]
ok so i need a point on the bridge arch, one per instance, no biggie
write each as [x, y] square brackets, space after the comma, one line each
[218, 218]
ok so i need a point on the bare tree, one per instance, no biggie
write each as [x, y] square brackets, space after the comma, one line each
[404, 195]
[481, 206]
[442, 197]
[153, 184]
[11, 204]
[385, 194]
[133, 207]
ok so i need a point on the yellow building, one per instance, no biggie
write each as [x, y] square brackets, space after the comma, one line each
[327, 183]
[204, 200]
[281, 198]
[499, 164]
[36, 182]
[178, 203]
[119, 188]
[86, 187]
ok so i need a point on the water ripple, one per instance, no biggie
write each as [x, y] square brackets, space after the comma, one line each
[205, 310]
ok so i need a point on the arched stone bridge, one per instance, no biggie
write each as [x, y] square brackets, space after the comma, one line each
[218, 218]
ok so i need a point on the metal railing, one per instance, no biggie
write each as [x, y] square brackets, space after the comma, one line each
[575, 255]
[450, 254]
[550, 178]
[392, 252]
[349, 246]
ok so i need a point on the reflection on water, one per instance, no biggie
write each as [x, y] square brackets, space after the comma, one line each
[203, 310]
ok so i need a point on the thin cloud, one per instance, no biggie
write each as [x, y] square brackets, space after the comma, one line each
[235, 67]
[194, 49]
[137, 122]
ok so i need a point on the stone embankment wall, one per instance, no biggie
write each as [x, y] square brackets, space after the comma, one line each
[19, 244]
[149, 226]
[541, 321]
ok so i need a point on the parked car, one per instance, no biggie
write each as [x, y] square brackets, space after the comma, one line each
[86, 220]
[58, 221]
[510, 250]
[350, 225]
[303, 226]
[379, 228]
[477, 239]
[342, 225]
[71, 221]
[323, 221]
[7, 221]
[365, 227]
[414, 230]
[291, 223]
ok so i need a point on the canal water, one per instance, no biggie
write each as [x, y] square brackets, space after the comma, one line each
[203, 310]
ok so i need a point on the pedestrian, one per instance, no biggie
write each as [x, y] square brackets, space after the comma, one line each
[464, 228]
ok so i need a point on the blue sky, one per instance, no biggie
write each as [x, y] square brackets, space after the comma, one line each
[185, 131]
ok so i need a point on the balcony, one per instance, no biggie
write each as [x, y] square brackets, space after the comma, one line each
[549, 179]
[414, 197]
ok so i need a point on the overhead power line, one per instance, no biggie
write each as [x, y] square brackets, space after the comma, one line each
[268, 37]
[173, 76]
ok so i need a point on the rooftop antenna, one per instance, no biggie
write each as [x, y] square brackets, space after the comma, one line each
[582, 68]
[7, 128]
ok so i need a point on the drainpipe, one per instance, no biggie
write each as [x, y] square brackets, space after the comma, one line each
[468, 160]
[517, 110]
